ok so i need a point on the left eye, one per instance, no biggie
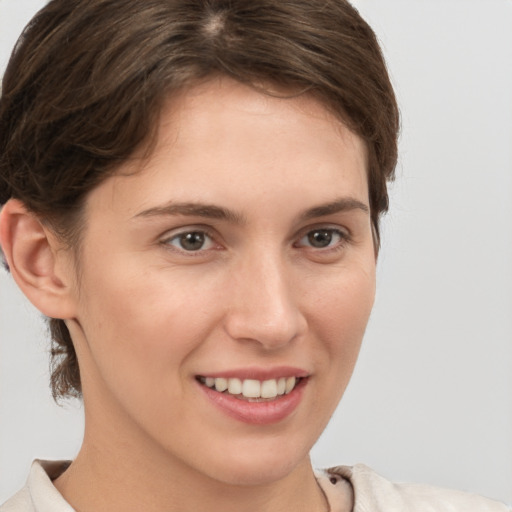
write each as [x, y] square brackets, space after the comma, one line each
[191, 241]
[322, 238]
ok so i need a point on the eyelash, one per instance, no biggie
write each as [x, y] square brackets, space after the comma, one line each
[167, 241]
[344, 238]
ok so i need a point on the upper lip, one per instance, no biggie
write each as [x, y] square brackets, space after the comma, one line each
[255, 373]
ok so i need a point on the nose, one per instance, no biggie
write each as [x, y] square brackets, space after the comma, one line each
[264, 303]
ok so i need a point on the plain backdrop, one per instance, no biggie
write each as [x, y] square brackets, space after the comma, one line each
[431, 397]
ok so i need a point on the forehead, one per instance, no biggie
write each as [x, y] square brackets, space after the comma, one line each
[218, 139]
[225, 101]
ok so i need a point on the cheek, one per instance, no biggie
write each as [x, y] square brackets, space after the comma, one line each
[339, 321]
[137, 323]
[347, 303]
[343, 313]
[139, 333]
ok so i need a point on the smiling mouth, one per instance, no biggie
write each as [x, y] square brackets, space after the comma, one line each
[251, 389]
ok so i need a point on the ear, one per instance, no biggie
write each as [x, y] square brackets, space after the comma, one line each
[39, 265]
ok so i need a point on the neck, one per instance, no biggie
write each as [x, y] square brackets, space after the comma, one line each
[114, 474]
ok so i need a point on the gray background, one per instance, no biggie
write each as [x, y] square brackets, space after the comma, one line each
[430, 399]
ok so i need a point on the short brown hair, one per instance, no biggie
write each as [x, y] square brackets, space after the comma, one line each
[87, 80]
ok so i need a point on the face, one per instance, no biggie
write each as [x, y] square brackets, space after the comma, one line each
[239, 255]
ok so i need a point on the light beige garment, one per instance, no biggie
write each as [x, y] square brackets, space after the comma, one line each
[372, 493]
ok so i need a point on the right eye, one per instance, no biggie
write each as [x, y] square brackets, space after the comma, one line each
[190, 241]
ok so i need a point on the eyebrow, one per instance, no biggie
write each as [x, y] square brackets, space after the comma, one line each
[343, 204]
[210, 211]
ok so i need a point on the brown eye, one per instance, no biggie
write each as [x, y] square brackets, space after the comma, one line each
[190, 241]
[322, 238]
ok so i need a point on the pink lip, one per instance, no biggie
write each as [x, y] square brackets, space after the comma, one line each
[256, 413]
[259, 373]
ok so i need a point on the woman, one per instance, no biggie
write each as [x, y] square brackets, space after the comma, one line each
[210, 326]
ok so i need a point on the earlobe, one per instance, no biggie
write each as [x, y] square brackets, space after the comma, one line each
[32, 254]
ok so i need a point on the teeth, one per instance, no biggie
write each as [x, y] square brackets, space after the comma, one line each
[269, 389]
[234, 386]
[281, 386]
[221, 384]
[251, 388]
[290, 384]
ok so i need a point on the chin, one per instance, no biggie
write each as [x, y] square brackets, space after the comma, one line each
[260, 466]
[255, 473]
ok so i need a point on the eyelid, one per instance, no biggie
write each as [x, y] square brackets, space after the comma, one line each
[344, 234]
[182, 230]
[344, 231]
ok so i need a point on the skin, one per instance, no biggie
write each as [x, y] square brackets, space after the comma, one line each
[147, 316]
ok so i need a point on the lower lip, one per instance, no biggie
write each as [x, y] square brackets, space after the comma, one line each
[256, 413]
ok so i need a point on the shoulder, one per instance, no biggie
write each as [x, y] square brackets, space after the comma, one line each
[374, 493]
